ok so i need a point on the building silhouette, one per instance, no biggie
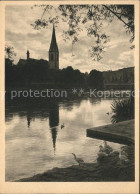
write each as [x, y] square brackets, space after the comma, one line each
[53, 62]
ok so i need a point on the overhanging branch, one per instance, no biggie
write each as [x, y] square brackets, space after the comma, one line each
[116, 15]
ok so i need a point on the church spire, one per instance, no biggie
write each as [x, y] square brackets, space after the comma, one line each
[53, 52]
[53, 46]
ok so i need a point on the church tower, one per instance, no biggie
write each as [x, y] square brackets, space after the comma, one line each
[28, 54]
[53, 52]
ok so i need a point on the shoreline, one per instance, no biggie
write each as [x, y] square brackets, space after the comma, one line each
[107, 169]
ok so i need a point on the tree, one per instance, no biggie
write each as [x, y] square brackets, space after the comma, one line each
[71, 76]
[91, 17]
[9, 70]
[95, 79]
[9, 52]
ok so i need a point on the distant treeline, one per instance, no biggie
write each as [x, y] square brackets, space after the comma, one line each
[40, 73]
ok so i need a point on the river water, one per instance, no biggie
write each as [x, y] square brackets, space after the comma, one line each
[35, 141]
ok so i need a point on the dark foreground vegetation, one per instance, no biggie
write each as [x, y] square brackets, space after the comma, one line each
[123, 109]
[107, 168]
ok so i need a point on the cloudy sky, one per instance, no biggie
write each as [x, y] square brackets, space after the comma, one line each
[21, 35]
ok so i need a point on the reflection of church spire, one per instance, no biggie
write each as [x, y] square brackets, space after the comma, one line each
[54, 115]
[28, 120]
[54, 136]
[54, 121]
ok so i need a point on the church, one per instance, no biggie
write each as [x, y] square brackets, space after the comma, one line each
[53, 62]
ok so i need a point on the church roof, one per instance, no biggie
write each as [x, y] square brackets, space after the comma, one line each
[22, 62]
[32, 61]
[53, 45]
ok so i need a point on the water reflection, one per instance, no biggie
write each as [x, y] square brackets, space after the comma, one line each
[54, 122]
[46, 109]
[33, 133]
[29, 119]
[54, 115]
[49, 110]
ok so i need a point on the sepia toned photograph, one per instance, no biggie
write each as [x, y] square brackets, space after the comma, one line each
[70, 92]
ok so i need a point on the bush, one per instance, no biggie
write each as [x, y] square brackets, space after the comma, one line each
[123, 110]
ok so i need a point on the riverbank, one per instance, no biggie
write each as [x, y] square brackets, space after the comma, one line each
[108, 168]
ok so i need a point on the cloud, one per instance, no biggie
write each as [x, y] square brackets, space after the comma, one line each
[110, 61]
[126, 56]
[115, 43]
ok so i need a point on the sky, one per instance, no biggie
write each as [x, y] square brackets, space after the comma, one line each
[20, 34]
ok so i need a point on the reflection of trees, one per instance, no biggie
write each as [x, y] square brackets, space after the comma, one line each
[71, 102]
[94, 100]
[38, 107]
[8, 117]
